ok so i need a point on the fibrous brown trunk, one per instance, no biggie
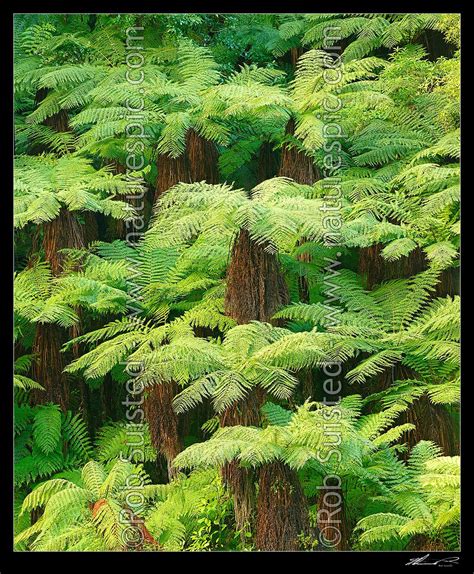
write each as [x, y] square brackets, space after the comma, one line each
[299, 167]
[63, 232]
[256, 288]
[241, 481]
[130, 227]
[197, 163]
[282, 510]
[433, 422]
[49, 365]
[267, 162]
[295, 164]
[111, 400]
[423, 543]
[375, 269]
[295, 53]
[333, 523]
[91, 228]
[59, 122]
[306, 378]
[163, 422]
[202, 158]
[448, 283]
[171, 170]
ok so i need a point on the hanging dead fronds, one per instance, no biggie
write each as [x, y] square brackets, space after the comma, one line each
[241, 483]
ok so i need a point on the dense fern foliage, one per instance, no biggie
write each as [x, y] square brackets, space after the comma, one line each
[236, 290]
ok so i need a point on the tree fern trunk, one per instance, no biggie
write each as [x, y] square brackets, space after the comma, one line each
[375, 269]
[58, 121]
[49, 365]
[199, 162]
[295, 53]
[255, 290]
[299, 167]
[241, 481]
[63, 232]
[91, 228]
[282, 510]
[163, 422]
[121, 228]
[423, 543]
[333, 522]
[202, 158]
[171, 170]
[433, 422]
[268, 162]
[295, 164]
